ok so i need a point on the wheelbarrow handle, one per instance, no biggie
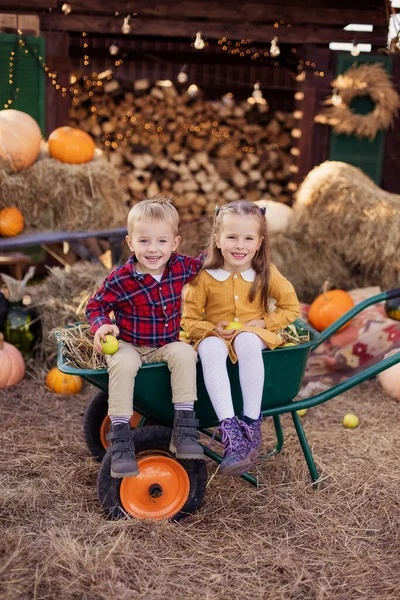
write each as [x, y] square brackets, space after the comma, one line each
[395, 293]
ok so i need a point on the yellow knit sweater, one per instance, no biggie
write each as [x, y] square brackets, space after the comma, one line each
[217, 295]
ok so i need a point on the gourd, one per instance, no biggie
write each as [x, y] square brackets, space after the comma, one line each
[12, 366]
[390, 379]
[20, 139]
[71, 145]
[62, 383]
[11, 222]
[392, 308]
[328, 307]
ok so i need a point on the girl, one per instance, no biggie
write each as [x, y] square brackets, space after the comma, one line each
[227, 313]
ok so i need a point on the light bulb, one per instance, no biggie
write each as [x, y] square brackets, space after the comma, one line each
[192, 90]
[336, 99]
[182, 75]
[274, 50]
[66, 8]
[257, 93]
[228, 99]
[113, 49]
[199, 43]
[126, 26]
[355, 51]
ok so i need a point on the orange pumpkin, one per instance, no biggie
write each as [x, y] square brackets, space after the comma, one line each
[71, 145]
[11, 222]
[328, 307]
[12, 366]
[61, 383]
[20, 138]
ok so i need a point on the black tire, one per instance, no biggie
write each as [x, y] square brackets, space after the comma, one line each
[95, 414]
[151, 438]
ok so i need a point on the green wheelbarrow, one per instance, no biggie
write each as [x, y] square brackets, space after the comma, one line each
[168, 488]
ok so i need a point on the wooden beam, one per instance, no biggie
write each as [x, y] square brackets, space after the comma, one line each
[293, 12]
[28, 23]
[212, 30]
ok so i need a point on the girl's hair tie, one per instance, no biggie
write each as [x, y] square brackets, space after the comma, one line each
[216, 210]
[263, 209]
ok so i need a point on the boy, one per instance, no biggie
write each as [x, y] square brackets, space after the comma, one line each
[145, 296]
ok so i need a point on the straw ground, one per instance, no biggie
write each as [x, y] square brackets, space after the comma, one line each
[283, 541]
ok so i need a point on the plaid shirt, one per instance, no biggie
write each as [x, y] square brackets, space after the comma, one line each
[147, 312]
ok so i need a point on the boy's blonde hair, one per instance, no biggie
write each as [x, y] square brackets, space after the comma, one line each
[158, 209]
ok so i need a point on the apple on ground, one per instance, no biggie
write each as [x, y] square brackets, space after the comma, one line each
[350, 421]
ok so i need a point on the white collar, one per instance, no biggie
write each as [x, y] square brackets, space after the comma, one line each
[222, 275]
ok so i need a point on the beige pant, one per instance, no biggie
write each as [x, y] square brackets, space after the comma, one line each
[124, 364]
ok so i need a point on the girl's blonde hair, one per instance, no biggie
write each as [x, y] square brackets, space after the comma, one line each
[158, 209]
[260, 262]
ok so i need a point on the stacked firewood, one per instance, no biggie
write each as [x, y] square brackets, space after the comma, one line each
[201, 152]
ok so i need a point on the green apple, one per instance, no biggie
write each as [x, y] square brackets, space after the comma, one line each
[110, 346]
[183, 336]
[350, 421]
[288, 344]
[233, 325]
[302, 412]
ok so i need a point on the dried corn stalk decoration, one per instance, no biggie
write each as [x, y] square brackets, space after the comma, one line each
[364, 80]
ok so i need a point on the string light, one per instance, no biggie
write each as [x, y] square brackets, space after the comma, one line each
[199, 43]
[66, 8]
[126, 25]
[274, 50]
[192, 90]
[182, 75]
[336, 99]
[355, 51]
[113, 49]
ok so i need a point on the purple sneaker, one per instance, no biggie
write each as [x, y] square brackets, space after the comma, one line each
[253, 433]
[237, 448]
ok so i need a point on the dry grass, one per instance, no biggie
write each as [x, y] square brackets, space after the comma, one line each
[284, 541]
[339, 208]
[58, 196]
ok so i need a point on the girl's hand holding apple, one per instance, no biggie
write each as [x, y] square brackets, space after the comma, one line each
[222, 332]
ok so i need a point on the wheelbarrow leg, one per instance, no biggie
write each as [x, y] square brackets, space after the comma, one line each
[279, 438]
[305, 447]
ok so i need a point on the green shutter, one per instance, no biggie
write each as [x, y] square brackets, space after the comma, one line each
[362, 153]
[28, 73]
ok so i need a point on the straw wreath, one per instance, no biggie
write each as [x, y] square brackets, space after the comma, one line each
[365, 80]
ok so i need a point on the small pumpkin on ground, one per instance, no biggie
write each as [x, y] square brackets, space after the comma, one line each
[61, 383]
[11, 222]
[71, 145]
[12, 366]
[390, 379]
[328, 307]
[392, 308]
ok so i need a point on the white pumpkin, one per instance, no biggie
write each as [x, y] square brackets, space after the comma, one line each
[278, 215]
[20, 138]
[390, 379]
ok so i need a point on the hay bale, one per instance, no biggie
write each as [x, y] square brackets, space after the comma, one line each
[59, 196]
[61, 300]
[341, 209]
[307, 267]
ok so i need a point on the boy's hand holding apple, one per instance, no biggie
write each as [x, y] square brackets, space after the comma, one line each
[100, 336]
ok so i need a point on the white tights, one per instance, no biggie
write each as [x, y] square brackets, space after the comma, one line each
[213, 354]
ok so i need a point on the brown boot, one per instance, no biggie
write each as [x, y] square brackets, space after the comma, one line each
[184, 439]
[122, 449]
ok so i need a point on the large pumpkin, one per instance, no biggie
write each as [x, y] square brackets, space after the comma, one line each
[20, 138]
[11, 222]
[71, 145]
[61, 383]
[12, 366]
[328, 307]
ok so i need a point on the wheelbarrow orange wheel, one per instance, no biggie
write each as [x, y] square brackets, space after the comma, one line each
[166, 488]
[96, 424]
